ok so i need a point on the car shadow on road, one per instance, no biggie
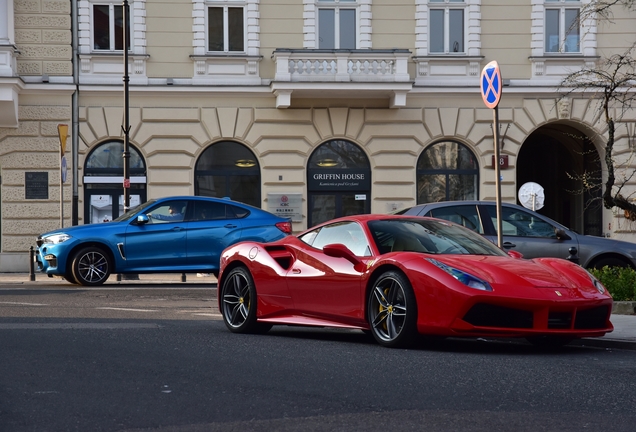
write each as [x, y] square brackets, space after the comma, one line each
[427, 343]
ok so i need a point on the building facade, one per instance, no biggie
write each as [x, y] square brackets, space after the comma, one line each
[321, 108]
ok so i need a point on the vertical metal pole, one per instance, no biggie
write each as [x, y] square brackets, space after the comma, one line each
[61, 196]
[495, 128]
[126, 126]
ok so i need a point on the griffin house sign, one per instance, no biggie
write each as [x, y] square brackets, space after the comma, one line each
[339, 180]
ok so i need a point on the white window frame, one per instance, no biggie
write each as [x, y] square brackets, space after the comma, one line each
[226, 37]
[111, 25]
[562, 6]
[472, 28]
[102, 66]
[363, 21]
[447, 6]
[336, 6]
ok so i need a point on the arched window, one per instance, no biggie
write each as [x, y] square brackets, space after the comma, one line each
[229, 169]
[446, 171]
[106, 160]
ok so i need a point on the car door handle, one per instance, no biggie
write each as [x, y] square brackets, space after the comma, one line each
[177, 229]
[509, 245]
[230, 226]
[296, 270]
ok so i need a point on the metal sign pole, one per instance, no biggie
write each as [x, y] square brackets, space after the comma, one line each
[126, 126]
[495, 128]
[61, 193]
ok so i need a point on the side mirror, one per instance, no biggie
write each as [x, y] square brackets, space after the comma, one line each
[561, 235]
[142, 219]
[515, 254]
[338, 250]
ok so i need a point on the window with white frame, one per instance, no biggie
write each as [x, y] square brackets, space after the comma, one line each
[447, 26]
[562, 26]
[337, 24]
[226, 26]
[108, 27]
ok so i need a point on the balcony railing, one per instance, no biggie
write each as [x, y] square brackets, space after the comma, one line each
[305, 65]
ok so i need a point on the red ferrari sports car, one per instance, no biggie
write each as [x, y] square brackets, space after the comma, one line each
[399, 276]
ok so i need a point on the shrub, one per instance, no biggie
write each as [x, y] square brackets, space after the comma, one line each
[619, 281]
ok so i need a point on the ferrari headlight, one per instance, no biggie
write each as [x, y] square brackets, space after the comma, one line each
[597, 284]
[56, 238]
[465, 278]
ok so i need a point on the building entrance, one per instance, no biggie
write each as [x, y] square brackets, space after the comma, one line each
[338, 182]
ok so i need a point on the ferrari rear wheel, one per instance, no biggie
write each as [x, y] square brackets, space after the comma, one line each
[392, 310]
[238, 304]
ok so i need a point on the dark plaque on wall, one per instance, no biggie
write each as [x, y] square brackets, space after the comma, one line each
[36, 185]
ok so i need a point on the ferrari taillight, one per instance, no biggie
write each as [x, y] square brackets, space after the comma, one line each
[285, 227]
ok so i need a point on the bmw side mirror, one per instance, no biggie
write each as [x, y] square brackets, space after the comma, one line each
[515, 254]
[561, 235]
[142, 219]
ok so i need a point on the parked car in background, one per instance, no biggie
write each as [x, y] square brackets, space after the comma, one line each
[528, 232]
[399, 276]
[168, 235]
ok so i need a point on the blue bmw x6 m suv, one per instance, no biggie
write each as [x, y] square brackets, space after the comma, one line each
[168, 235]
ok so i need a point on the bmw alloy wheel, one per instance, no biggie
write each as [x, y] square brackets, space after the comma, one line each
[91, 266]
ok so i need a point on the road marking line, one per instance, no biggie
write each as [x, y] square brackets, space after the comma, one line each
[127, 309]
[24, 304]
[76, 326]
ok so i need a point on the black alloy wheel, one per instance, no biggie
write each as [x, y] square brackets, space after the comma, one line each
[392, 310]
[238, 303]
[91, 266]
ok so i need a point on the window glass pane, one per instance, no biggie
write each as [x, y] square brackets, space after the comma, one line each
[519, 223]
[215, 29]
[465, 215]
[109, 155]
[338, 154]
[326, 29]
[456, 30]
[462, 187]
[323, 208]
[447, 155]
[437, 31]
[119, 28]
[431, 188]
[236, 32]
[552, 30]
[347, 29]
[101, 27]
[572, 30]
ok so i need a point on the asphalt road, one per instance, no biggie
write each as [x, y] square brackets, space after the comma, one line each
[151, 358]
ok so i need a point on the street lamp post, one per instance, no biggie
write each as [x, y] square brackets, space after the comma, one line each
[126, 125]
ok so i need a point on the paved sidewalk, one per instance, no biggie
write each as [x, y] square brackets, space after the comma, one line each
[623, 336]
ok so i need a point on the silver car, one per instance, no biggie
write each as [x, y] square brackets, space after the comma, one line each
[530, 233]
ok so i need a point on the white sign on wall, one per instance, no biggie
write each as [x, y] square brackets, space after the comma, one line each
[287, 205]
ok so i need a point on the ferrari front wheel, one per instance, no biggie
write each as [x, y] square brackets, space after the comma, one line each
[392, 310]
[238, 303]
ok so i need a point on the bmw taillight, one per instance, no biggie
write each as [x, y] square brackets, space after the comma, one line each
[285, 227]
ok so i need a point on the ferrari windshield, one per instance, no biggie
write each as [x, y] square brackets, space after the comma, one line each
[429, 236]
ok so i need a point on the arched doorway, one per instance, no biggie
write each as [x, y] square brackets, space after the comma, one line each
[228, 169]
[104, 180]
[338, 181]
[447, 171]
[556, 157]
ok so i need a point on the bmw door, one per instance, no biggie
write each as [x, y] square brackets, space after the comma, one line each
[213, 227]
[159, 245]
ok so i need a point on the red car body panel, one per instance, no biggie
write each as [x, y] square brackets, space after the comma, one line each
[298, 284]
